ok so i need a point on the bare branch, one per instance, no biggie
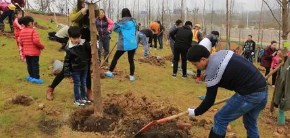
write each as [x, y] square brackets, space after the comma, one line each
[272, 13]
[279, 2]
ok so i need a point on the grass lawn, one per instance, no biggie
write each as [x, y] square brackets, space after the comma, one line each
[152, 81]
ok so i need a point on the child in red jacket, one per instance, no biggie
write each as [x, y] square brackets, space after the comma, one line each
[17, 28]
[29, 40]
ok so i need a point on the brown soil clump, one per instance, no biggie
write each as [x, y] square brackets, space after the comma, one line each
[22, 100]
[153, 60]
[125, 114]
[49, 127]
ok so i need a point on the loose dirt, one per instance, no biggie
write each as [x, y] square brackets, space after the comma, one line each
[125, 114]
[153, 60]
[22, 100]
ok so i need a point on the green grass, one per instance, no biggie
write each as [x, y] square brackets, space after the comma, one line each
[152, 81]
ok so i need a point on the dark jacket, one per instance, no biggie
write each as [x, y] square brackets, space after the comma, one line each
[249, 47]
[148, 33]
[267, 57]
[104, 26]
[182, 37]
[77, 57]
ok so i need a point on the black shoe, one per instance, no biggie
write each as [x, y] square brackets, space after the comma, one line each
[184, 76]
[173, 75]
[214, 135]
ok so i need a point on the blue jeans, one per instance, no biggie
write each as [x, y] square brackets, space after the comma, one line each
[79, 79]
[142, 37]
[104, 45]
[248, 106]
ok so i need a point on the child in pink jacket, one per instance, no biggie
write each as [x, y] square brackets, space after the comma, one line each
[276, 60]
[29, 40]
[17, 29]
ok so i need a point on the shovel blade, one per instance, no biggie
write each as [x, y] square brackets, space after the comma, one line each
[146, 128]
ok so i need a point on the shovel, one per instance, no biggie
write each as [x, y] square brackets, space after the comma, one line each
[166, 119]
[109, 54]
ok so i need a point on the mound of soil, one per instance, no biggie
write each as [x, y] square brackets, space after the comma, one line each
[125, 114]
[22, 100]
[153, 60]
[49, 127]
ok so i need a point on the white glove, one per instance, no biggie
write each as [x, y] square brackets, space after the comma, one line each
[191, 112]
[252, 53]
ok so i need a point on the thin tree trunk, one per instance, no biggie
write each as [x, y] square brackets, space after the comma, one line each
[162, 16]
[227, 24]
[203, 18]
[261, 15]
[181, 15]
[98, 104]
[211, 20]
[149, 16]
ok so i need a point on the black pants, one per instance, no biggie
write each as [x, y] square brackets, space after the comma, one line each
[155, 37]
[104, 43]
[118, 54]
[6, 14]
[33, 66]
[60, 76]
[177, 53]
[267, 70]
[274, 76]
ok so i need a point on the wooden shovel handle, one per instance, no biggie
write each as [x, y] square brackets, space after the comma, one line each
[163, 120]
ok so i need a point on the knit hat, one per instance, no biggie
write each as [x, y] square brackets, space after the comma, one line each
[11, 7]
[197, 25]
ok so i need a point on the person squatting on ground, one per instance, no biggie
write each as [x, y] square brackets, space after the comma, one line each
[80, 18]
[249, 49]
[276, 60]
[60, 36]
[230, 71]
[177, 24]
[76, 64]
[7, 11]
[142, 36]
[155, 26]
[127, 42]
[160, 35]
[17, 29]
[268, 56]
[183, 39]
[104, 26]
[31, 46]
[210, 42]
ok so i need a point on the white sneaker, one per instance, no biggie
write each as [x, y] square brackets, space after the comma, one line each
[79, 103]
[132, 78]
[86, 101]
